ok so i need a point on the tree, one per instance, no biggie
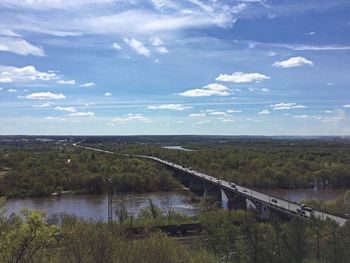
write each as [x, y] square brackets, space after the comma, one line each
[27, 237]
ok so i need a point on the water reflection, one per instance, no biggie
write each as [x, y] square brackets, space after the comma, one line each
[296, 195]
[95, 206]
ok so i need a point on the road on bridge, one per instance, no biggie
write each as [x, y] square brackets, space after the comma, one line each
[270, 200]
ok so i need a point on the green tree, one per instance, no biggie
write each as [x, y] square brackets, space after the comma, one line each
[27, 237]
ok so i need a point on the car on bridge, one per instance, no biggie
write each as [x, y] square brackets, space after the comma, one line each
[306, 208]
[233, 186]
[301, 212]
[273, 200]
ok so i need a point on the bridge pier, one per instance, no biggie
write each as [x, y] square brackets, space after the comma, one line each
[224, 199]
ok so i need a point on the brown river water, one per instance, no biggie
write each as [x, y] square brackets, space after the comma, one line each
[95, 206]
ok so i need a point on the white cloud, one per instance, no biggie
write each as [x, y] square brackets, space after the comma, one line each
[82, 114]
[44, 96]
[218, 113]
[316, 48]
[287, 106]
[66, 82]
[12, 90]
[88, 84]
[138, 46]
[131, 117]
[228, 120]
[209, 90]
[107, 94]
[148, 22]
[20, 47]
[292, 62]
[49, 118]
[1, 88]
[68, 109]
[328, 111]
[116, 46]
[162, 50]
[156, 41]
[346, 106]
[5, 80]
[233, 111]
[8, 32]
[28, 73]
[259, 89]
[264, 112]
[251, 45]
[178, 107]
[271, 54]
[303, 116]
[45, 105]
[203, 122]
[240, 77]
[197, 115]
[311, 33]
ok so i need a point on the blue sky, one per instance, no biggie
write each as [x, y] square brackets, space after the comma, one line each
[119, 67]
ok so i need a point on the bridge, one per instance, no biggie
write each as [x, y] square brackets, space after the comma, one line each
[232, 195]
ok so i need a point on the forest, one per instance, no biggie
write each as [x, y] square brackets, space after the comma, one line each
[261, 163]
[43, 168]
[41, 171]
[227, 236]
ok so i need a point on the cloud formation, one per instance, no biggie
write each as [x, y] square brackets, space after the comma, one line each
[177, 107]
[66, 82]
[68, 109]
[25, 74]
[131, 117]
[88, 84]
[20, 47]
[82, 114]
[264, 112]
[287, 106]
[292, 62]
[44, 96]
[138, 46]
[240, 77]
[206, 91]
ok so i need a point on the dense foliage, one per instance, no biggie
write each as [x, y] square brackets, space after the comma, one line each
[262, 163]
[227, 237]
[36, 169]
[39, 171]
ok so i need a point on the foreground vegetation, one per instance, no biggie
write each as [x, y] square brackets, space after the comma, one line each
[227, 237]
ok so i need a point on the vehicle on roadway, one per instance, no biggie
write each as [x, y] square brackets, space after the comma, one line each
[232, 185]
[301, 212]
[306, 208]
[273, 200]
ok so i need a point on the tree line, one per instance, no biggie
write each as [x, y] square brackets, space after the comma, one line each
[262, 163]
[43, 171]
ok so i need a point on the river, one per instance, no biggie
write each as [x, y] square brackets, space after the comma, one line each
[95, 206]
[296, 195]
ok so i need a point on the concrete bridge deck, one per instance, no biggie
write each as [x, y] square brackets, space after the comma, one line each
[286, 206]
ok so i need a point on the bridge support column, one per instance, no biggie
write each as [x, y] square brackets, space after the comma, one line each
[264, 212]
[224, 199]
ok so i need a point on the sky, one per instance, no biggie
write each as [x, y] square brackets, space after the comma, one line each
[140, 67]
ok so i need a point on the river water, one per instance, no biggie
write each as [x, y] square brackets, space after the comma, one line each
[296, 195]
[95, 206]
